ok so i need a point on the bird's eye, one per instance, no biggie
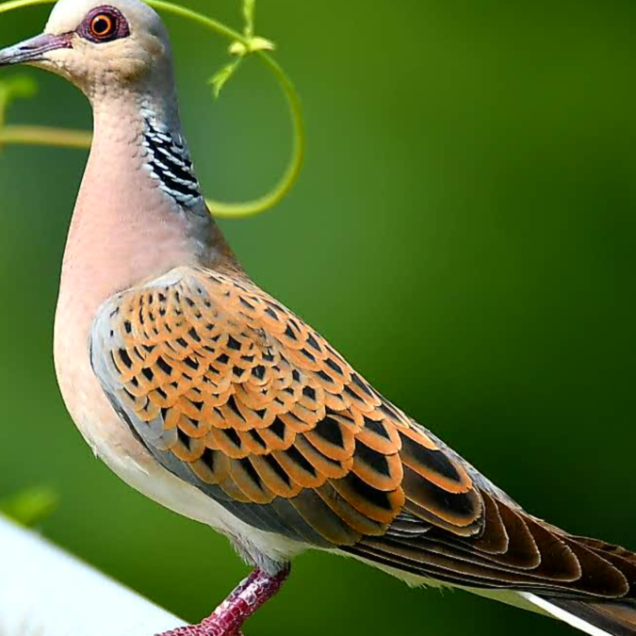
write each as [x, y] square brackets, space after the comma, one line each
[103, 26]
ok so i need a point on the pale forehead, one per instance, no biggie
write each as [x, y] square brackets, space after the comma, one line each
[67, 15]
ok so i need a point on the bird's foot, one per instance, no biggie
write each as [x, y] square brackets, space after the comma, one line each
[229, 617]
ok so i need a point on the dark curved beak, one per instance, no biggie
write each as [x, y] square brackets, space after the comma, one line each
[33, 50]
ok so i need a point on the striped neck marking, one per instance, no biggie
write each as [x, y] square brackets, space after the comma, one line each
[169, 162]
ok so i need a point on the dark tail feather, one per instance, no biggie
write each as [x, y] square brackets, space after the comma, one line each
[613, 618]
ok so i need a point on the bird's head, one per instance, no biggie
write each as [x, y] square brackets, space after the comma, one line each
[99, 45]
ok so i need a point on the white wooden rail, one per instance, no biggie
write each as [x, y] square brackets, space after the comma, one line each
[46, 592]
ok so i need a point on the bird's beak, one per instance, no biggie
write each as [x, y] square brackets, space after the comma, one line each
[35, 49]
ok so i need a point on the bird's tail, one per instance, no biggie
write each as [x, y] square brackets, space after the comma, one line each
[615, 618]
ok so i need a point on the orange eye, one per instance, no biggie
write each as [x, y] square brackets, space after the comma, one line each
[103, 26]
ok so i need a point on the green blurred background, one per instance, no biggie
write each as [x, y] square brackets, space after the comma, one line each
[464, 232]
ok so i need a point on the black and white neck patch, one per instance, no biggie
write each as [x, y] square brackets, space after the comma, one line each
[170, 164]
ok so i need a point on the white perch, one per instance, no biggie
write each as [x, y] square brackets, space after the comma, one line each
[47, 592]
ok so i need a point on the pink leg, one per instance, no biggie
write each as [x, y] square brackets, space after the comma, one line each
[229, 617]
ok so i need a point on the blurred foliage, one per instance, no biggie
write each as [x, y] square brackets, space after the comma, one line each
[17, 87]
[464, 232]
[30, 507]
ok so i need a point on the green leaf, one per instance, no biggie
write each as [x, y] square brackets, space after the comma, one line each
[220, 79]
[255, 44]
[30, 506]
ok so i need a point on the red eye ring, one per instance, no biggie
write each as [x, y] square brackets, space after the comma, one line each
[103, 26]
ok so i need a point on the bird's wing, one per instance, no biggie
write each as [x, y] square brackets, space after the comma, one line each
[234, 394]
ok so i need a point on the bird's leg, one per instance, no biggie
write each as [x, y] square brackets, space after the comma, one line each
[229, 617]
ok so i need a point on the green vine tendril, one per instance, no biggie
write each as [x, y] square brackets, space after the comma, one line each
[243, 45]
